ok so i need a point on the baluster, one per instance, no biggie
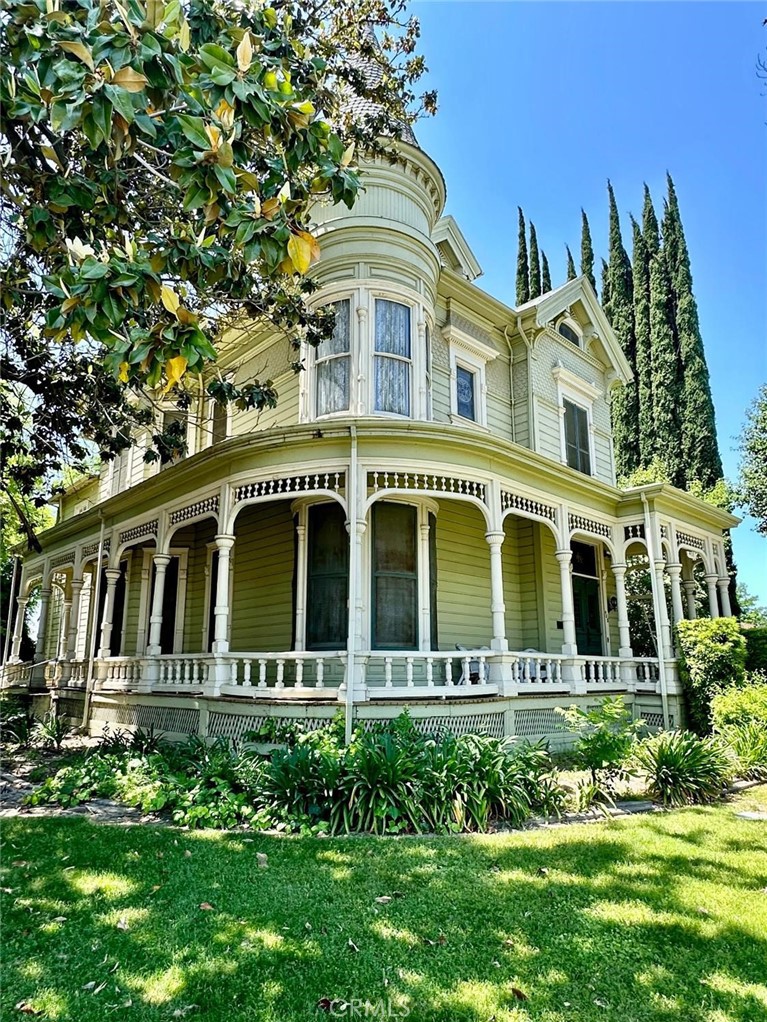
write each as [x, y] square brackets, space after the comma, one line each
[549, 672]
[299, 674]
[515, 671]
[430, 671]
[246, 665]
[204, 672]
[280, 674]
[526, 669]
[600, 670]
[466, 670]
[409, 672]
[387, 672]
[482, 670]
[449, 672]
[196, 672]
[320, 673]
[233, 672]
[262, 673]
[187, 672]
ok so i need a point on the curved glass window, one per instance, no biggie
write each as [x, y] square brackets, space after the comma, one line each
[332, 364]
[569, 334]
[392, 357]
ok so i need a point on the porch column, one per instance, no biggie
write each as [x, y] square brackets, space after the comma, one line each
[45, 601]
[666, 650]
[154, 647]
[300, 623]
[497, 605]
[674, 573]
[74, 617]
[18, 627]
[688, 585]
[112, 577]
[66, 611]
[713, 599]
[221, 611]
[569, 646]
[724, 596]
[619, 573]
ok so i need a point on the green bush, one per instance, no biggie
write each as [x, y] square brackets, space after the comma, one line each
[605, 739]
[748, 741]
[712, 657]
[740, 705]
[51, 731]
[684, 768]
[17, 722]
[756, 648]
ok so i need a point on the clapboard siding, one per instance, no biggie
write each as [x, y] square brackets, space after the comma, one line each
[463, 577]
[262, 584]
[551, 591]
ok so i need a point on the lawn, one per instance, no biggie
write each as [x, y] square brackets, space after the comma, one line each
[660, 917]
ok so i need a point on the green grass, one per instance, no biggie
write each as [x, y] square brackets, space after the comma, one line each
[661, 917]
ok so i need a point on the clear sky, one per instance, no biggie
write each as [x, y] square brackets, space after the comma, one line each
[540, 102]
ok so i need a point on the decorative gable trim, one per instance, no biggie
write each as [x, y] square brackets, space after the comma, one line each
[448, 234]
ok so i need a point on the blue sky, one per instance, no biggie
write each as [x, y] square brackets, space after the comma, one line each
[541, 102]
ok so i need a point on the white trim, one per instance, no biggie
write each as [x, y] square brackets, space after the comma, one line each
[182, 553]
[582, 394]
[468, 353]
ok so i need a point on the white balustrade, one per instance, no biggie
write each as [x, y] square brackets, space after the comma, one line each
[533, 668]
[283, 675]
[408, 674]
[603, 671]
[16, 675]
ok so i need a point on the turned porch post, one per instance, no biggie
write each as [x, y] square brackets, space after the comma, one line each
[570, 645]
[45, 602]
[713, 599]
[677, 606]
[619, 573]
[112, 576]
[18, 629]
[224, 544]
[66, 611]
[497, 605]
[688, 585]
[154, 646]
[724, 596]
[74, 617]
[301, 581]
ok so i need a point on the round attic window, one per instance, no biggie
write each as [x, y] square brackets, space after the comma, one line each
[569, 334]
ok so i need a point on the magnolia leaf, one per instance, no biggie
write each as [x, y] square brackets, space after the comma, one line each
[122, 376]
[270, 207]
[207, 907]
[245, 53]
[69, 304]
[81, 51]
[313, 244]
[284, 193]
[129, 79]
[154, 12]
[174, 371]
[348, 155]
[184, 35]
[169, 299]
[300, 252]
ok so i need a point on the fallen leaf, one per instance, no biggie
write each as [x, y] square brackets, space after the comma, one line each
[352, 945]
[187, 854]
[122, 923]
[60, 919]
[99, 988]
[384, 899]
[88, 986]
[262, 859]
[27, 1009]
[542, 871]
[207, 907]
[519, 994]
[601, 1004]
[19, 863]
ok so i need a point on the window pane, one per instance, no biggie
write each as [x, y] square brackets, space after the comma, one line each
[338, 343]
[392, 385]
[584, 458]
[328, 578]
[395, 612]
[395, 577]
[577, 438]
[464, 385]
[392, 328]
[395, 543]
[333, 385]
[569, 334]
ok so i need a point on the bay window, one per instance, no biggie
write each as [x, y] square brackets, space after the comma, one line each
[332, 364]
[392, 357]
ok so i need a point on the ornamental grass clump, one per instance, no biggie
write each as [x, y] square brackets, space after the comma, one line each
[683, 768]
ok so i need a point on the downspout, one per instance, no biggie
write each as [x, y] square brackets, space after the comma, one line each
[92, 636]
[511, 381]
[351, 638]
[530, 411]
[656, 597]
[11, 602]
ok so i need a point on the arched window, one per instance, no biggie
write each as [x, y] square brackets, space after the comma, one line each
[569, 334]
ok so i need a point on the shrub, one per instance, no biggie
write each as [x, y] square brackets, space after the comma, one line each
[748, 741]
[16, 722]
[51, 731]
[684, 768]
[740, 705]
[756, 648]
[605, 738]
[712, 657]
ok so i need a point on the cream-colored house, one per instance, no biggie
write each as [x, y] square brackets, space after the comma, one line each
[428, 518]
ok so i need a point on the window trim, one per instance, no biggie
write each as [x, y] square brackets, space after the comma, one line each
[576, 328]
[473, 355]
[583, 394]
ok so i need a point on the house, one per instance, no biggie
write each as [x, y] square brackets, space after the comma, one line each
[428, 519]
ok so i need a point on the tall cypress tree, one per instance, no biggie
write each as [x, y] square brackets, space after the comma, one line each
[605, 300]
[545, 274]
[699, 442]
[650, 230]
[666, 372]
[535, 264]
[571, 274]
[641, 273]
[523, 271]
[620, 312]
[587, 251]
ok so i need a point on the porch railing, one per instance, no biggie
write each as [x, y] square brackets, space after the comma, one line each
[397, 674]
[291, 674]
[16, 675]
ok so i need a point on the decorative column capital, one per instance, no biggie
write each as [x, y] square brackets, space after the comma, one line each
[618, 568]
[161, 561]
[112, 575]
[711, 577]
[224, 541]
[495, 538]
[564, 556]
[674, 569]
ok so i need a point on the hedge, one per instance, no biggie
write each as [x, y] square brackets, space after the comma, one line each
[740, 706]
[712, 657]
[756, 648]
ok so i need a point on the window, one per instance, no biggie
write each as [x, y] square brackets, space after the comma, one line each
[569, 334]
[392, 357]
[577, 437]
[332, 363]
[395, 576]
[465, 386]
[327, 588]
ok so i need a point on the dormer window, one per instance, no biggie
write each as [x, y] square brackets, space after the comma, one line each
[332, 364]
[569, 334]
[392, 357]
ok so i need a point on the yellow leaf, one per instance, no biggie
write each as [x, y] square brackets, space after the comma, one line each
[69, 304]
[154, 12]
[81, 51]
[174, 371]
[270, 207]
[123, 374]
[184, 35]
[346, 159]
[130, 80]
[300, 252]
[286, 266]
[245, 53]
[214, 135]
[169, 299]
[313, 244]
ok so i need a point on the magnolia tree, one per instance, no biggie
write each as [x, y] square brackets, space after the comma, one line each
[160, 161]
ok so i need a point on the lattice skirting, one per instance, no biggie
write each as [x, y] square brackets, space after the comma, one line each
[538, 723]
[174, 719]
[235, 725]
[72, 708]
